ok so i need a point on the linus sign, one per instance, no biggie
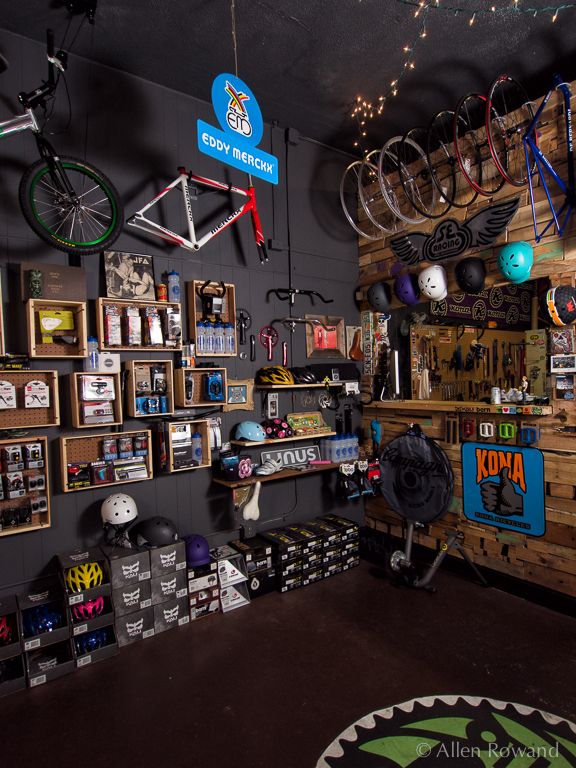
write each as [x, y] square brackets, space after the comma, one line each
[240, 117]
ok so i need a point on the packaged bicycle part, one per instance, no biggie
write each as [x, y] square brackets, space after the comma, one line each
[36, 394]
[97, 412]
[212, 295]
[35, 483]
[130, 469]
[132, 326]
[33, 455]
[110, 448]
[78, 475]
[12, 458]
[112, 326]
[39, 505]
[159, 379]
[140, 443]
[125, 447]
[7, 395]
[152, 327]
[14, 485]
[97, 388]
[213, 386]
[188, 388]
[172, 326]
[53, 322]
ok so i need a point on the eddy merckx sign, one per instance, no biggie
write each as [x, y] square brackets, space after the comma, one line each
[240, 117]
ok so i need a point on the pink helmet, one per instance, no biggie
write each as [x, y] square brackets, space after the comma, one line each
[88, 610]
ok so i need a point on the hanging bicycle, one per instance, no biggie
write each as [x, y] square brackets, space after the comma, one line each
[67, 202]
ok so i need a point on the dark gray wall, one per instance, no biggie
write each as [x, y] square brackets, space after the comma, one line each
[138, 133]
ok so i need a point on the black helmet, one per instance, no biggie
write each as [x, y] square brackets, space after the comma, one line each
[379, 297]
[153, 532]
[304, 375]
[470, 274]
[560, 303]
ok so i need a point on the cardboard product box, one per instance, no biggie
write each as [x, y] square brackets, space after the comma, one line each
[351, 548]
[234, 596]
[207, 609]
[257, 553]
[98, 575]
[332, 554]
[91, 615]
[313, 575]
[42, 616]
[9, 614]
[231, 566]
[169, 586]
[95, 646]
[312, 560]
[49, 663]
[330, 533]
[350, 530]
[350, 561]
[203, 577]
[132, 597]
[172, 614]
[167, 559]
[134, 626]
[13, 675]
[127, 566]
[203, 596]
[536, 350]
[311, 541]
[287, 583]
[288, 567]
[261, 583]
[285, 545]
[332, 568]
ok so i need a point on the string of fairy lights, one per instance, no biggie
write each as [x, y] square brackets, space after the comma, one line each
[364, 110]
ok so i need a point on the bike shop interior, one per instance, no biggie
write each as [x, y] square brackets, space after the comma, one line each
[324, 353]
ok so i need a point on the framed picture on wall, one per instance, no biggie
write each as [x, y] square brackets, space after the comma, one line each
[129, 276]
[354, 342]
[239, 395]
[325, 336]
[563, 363]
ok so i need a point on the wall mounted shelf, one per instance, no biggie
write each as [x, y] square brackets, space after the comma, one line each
[39, 343]
[191, 381]
[250, 443]
[195, 312]
[76, 401]
[26, 418]
[460, 406]
[284, 474]
[141, 371]
[10, 522]
[162, 306]
[171, 431]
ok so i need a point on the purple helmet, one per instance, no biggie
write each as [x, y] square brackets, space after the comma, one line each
[197, 550]
[406, 289]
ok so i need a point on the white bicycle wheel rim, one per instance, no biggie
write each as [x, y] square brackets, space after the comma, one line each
[353, 224]
[420, 152]
[386, 192]
[389, 230]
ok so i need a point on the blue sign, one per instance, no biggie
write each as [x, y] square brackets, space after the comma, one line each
[503, 486]
[242, 127]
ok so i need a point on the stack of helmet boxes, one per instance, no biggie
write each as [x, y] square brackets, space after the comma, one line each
[312, 553]
[287, 557]
[45, 633]
[12, 672]
[169, 590]
[232, 578]
[88, 593]
[350, 539]
[131, 593]
[257, 554]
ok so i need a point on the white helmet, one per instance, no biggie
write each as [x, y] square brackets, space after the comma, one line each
[119, 509]
[432, 283]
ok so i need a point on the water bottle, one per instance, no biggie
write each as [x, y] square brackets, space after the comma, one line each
[219, 338]
[356, 447]
[93, 361]
[330, 450]
[230, 341]
[337, 449]
[201, 337]
[197, 447]
[174, 287]
[208, 338]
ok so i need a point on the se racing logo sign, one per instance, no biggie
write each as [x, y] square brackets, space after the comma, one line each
[503, 486]
[242, 126]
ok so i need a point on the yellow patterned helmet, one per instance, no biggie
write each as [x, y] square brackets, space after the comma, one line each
[274, 374]
[84, 576]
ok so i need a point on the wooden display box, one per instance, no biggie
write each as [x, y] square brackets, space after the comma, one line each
[134, 367]
[101, 303]
[88, 448]
[40, 519]
[76, 400]
[198, 399]
[38, 348]
[195, 312]
[21, 417]
[196, 426]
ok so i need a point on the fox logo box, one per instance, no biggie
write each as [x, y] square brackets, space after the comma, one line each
[503, 486]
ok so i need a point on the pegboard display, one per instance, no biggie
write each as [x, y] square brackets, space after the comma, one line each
[181, 446]
[92, 467]
[226, 313]
[193, 384]
[37, 416]
[150, 388]
[129, 325]
[56, 328]
[86, 413]
[25, 485]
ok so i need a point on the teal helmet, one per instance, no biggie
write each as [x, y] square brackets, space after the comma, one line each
[251, 431]
[515, 261]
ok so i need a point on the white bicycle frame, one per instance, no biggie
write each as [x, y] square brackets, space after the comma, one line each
[194, 243]
[19, 123]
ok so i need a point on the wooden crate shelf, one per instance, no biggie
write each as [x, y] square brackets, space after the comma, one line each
[38, 348]
[88, 448]
[40, 519]
[195, 313]
[136, 369]
[26, 418]
[101, 303]
[76, 400]
[170, 431]
[181, 387]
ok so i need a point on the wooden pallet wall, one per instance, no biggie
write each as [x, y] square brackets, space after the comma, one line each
[549, 561]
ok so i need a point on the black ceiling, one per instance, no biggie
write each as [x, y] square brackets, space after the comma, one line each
[307, 60]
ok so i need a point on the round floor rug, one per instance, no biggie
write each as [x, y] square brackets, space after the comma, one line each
[466, 731]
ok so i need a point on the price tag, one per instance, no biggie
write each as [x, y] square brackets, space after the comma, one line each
[29, 645]
[148, 633]
[84, 661]
[34, 681]
[80, 629]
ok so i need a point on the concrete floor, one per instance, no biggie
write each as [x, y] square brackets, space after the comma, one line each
[272, 684]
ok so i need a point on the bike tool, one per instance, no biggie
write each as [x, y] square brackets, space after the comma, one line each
[243, 323]
[269, 339]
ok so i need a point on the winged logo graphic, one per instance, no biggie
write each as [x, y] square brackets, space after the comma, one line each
[131, 569]
[168, 586]
[168, 559]
[170, 615]
[453, 238]
[135, 628]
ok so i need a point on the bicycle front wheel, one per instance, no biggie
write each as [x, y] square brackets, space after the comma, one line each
[373, 201]
[419, 186]
[508, 116]
[446, 174]
[391, 172]
[349, 199]
[86, 221]
[472, 148]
